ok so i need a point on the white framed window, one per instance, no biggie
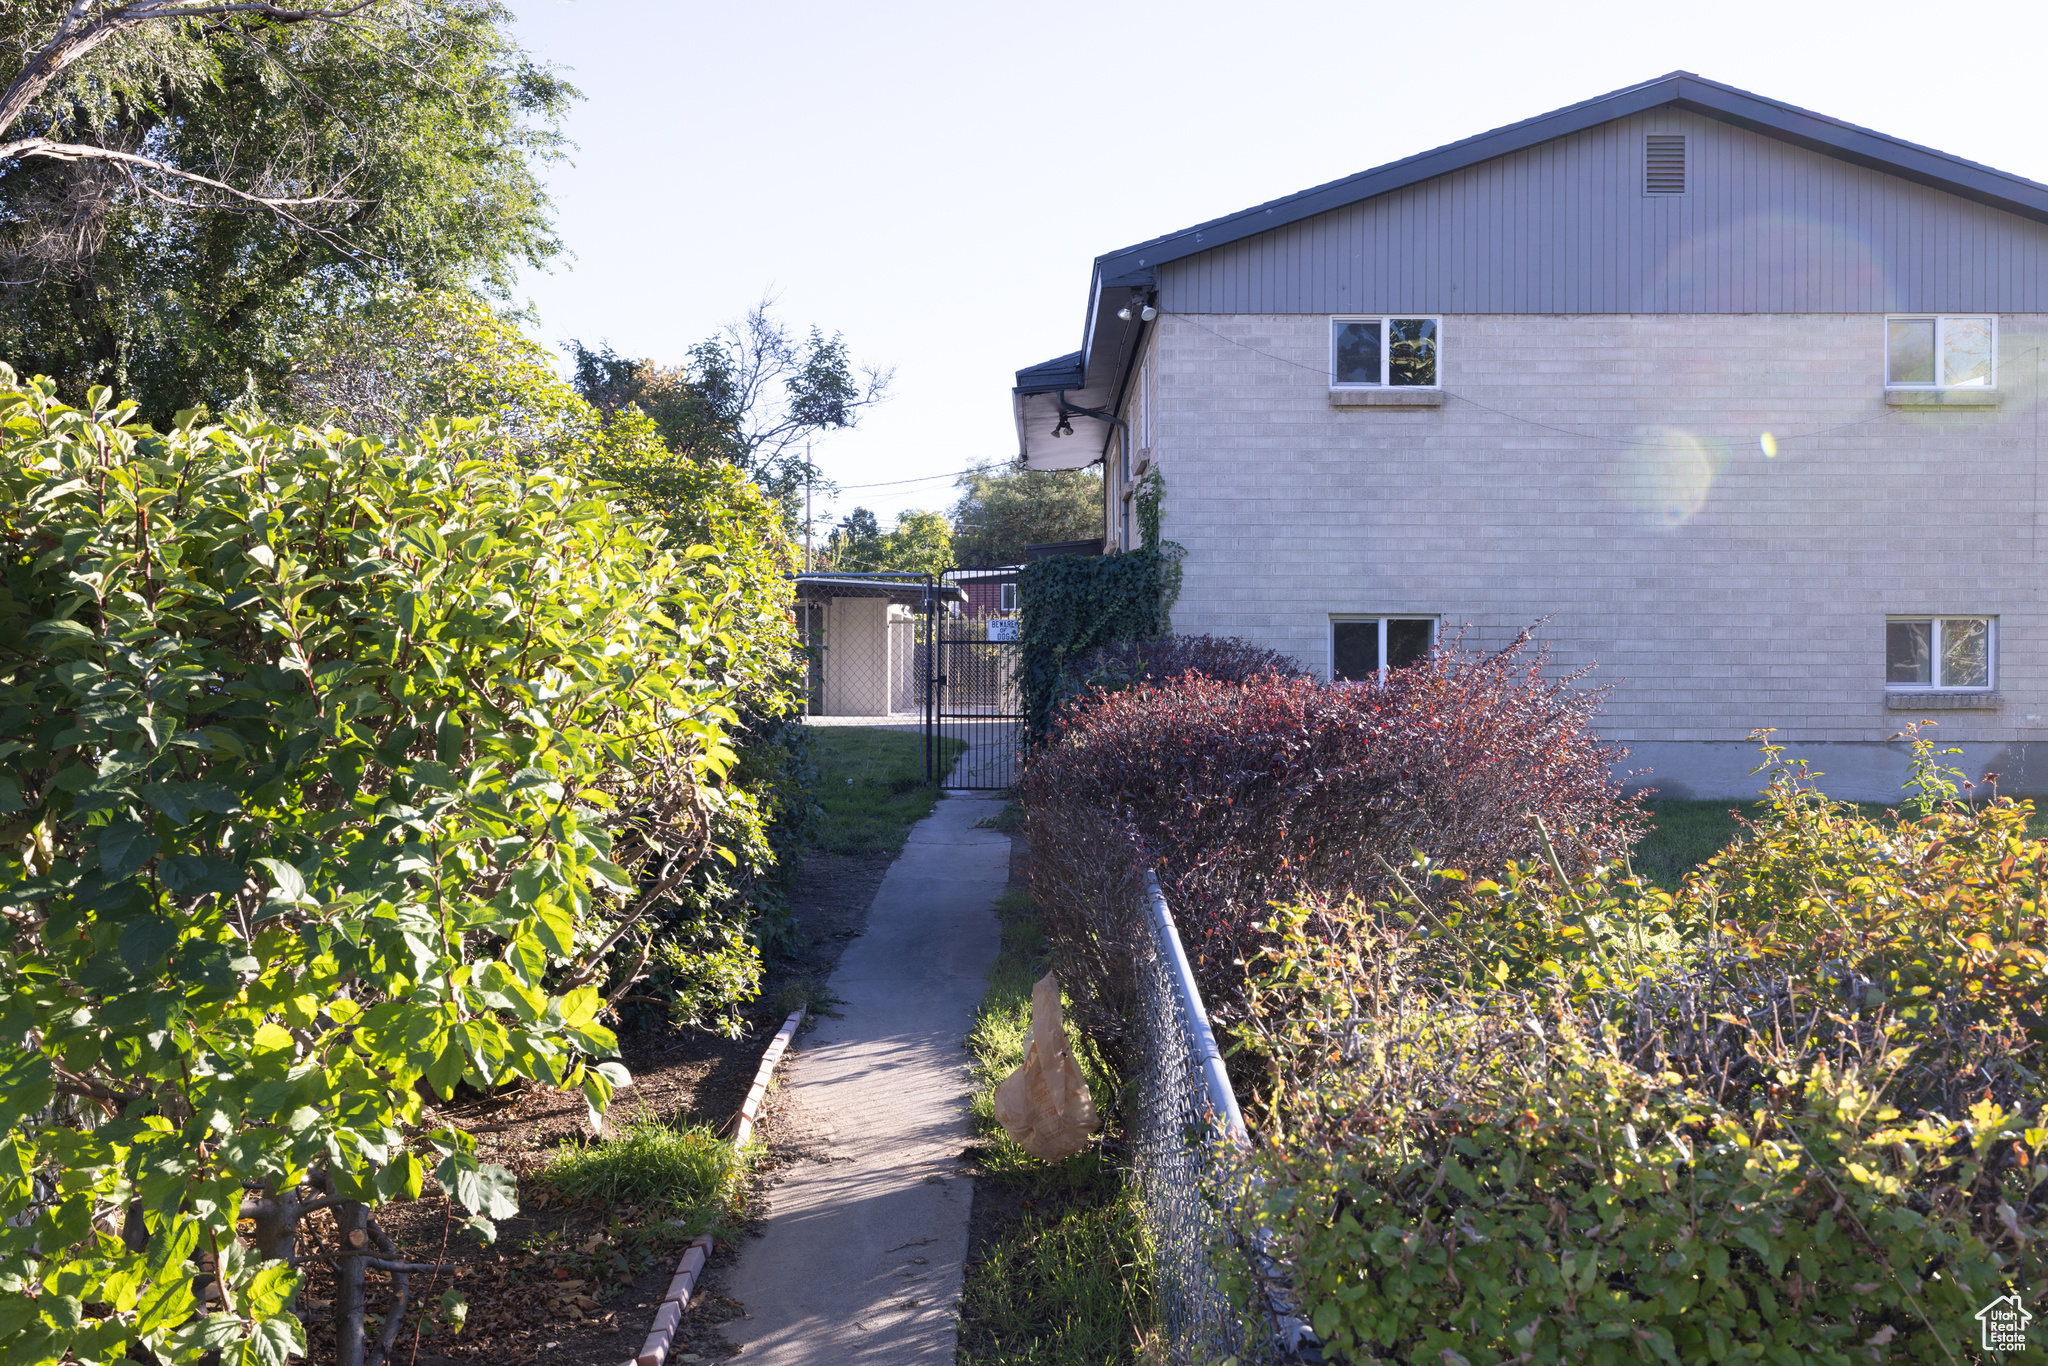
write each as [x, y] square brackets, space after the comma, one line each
[1009, 598]
[1370, 353]
[1936, 351]
[1940, 654]
[1362, 649]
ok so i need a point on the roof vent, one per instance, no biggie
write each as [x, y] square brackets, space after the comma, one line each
[1664, 163]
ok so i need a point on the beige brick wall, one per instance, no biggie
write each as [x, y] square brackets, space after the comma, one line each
[1606, 472]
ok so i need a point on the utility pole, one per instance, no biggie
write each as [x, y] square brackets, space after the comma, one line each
[807, 505]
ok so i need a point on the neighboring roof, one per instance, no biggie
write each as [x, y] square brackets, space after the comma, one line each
[896, 590]
[1093, 377]
[1049, 550]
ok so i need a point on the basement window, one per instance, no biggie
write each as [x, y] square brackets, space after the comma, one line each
[1935, 351]
[1939, 654]
[1383, 352]
[1362, 649]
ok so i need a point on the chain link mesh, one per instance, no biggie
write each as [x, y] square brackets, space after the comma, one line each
[1181, 1154]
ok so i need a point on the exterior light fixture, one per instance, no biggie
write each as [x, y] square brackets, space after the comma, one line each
[1147, 314]
[1124, 312]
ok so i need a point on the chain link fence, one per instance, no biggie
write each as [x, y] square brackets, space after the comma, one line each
[865, 644]
[1186, 1135]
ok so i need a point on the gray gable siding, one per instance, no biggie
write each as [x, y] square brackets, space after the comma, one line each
[1564, 228]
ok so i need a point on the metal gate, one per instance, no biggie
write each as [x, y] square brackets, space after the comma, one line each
[971, 691]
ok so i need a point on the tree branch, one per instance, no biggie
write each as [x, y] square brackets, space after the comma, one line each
[75, 37]
[78, 151]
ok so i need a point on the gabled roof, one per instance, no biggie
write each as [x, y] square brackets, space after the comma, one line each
[1773, 118]
[1094, 376]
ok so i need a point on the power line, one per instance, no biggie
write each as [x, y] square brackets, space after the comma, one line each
[891, 483]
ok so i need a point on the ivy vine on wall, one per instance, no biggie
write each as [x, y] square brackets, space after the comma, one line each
[1074, 603]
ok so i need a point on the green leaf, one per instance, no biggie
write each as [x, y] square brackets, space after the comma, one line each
[16, 1313]
[144, 942]
[65, 629]
[27, 1084]
[124, 847]
[401, 1178]
[556, 928]
[445, 1073]
[201, 875]
[269, 1288]
[525, 956]
[181, 802]
[288, 884]
[580, 1006]
[273, 1342]
[487, 1189]
[41, 1345]
[597, 1094]
[215, 1332]
[166, 1301]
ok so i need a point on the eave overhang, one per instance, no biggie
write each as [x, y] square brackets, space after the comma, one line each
[1053, 430]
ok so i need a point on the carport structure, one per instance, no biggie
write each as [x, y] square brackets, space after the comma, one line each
[868, 640]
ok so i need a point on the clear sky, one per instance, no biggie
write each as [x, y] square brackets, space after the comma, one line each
[934, 180]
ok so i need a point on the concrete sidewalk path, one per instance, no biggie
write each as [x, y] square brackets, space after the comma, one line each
[864, 1247]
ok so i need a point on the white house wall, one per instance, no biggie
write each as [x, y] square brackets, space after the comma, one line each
[1606, 474]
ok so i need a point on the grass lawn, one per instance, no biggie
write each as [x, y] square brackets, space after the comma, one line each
[1065, 1280]
[1685, 834]
[871, 786]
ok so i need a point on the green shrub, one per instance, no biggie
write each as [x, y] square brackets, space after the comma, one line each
[331, 775]
[1792, 1113]
[1240, 793]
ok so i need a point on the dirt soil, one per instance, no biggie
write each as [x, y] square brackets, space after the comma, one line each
[576, 1284]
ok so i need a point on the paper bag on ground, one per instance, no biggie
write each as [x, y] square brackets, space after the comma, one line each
[1044, 1105]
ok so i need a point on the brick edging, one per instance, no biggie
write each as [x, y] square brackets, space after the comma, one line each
[669, 1315]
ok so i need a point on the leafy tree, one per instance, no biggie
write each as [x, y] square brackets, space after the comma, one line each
[1000, 511]
[406, 357]
[332, 773]
[855, 545]
[190, 190]
[752, 396]
[920, 544]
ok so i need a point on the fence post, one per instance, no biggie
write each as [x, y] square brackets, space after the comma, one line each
[931, 702]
